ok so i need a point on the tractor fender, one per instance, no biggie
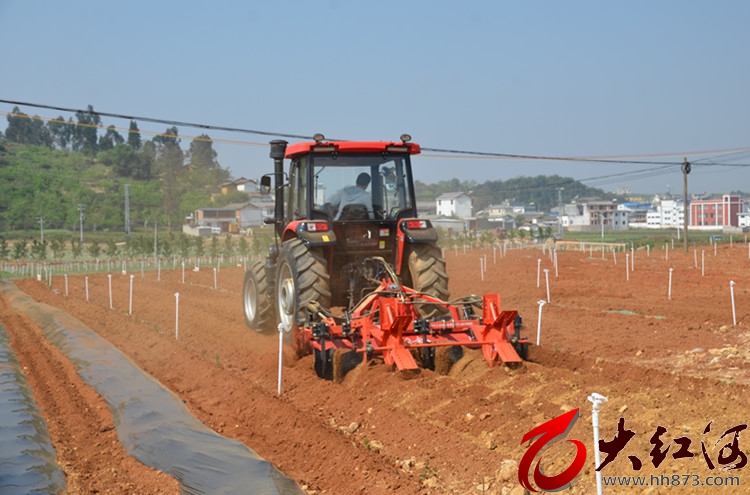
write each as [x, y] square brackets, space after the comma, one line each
[311, 232]
[425, 233]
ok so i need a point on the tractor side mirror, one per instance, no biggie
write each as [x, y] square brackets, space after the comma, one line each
[265, 184]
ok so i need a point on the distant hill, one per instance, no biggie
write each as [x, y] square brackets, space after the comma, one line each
[38, 181]
[541, 190]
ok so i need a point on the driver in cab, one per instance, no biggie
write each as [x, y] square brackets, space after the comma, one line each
[353, 195]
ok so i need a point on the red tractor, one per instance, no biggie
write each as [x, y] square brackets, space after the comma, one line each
[354, 269]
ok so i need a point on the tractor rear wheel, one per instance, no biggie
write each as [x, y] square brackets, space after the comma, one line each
[255, 298]
[428, 275]
[301, 277]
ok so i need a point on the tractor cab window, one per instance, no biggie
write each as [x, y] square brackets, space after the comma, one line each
[359, 187]
[298, 190]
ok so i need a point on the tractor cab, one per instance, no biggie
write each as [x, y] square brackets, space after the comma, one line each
[345, 181]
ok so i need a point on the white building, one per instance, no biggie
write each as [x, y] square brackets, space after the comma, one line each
[667, 213]
[591, 215]
[459, 205]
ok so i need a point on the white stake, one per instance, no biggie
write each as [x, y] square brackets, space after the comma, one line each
[546, 277]
[627, 266]
[669, 293]
[538, 271]
[715, 244]
[183, 272]
[109, 276]
[648, 250]
[66, 285]
[87, 288]
[695, 257]
[214, 278]
[597, 400]
[541, 303]
[176, 315]
[632, 259]
[666, 247]
[130, 305]
[281, 354]
[481, 268]
[734, 313]
[555, 260]
[703, 263]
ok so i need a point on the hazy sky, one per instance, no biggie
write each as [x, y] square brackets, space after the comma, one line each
[636, 80]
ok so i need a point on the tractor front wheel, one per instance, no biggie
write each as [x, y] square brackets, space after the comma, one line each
[257, 304]
[302, 277]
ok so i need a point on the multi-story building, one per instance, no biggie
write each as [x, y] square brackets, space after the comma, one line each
[720, 212]
[666, 213]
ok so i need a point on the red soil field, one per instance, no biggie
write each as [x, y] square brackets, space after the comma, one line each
[663, 358]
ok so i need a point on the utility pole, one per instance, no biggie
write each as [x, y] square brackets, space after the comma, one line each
[41, 221]
[127, 210]
[559, 212]
[685, 172]
[80, 211]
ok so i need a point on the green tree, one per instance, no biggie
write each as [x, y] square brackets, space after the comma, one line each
[228, 247]
[170, 160]
[166, 247]
[130, 250]
[4, 249]
[57, 246]
[20, 250]
[243, 247]
[85, 135]
[214, 249]
[134, 136]
[122, 158]
[110, 139]
[204, 169]
[112, 250]
[39, 250]
[61, 132]
[27, 130]
[487, 238]
[183, 245]
[94, 250]
[200, 248]
[192, 200]
[76, 248]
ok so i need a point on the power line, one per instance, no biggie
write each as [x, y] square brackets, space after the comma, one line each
[159, 121]
[451, 152]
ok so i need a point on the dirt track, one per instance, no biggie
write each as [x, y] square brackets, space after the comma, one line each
[676, 363]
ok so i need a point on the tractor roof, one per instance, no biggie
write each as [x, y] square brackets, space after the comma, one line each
[306, 147]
